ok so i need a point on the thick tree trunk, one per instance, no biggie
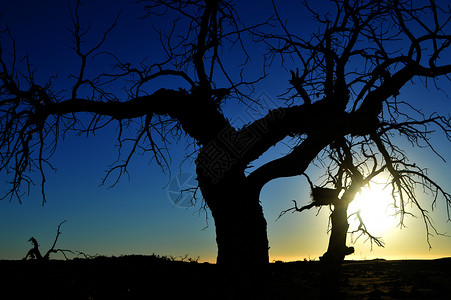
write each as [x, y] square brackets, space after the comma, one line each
[241, 236]
[242, 249]
[332, 260]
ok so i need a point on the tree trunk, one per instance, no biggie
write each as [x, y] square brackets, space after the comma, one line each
[332, 260]
[241, 235]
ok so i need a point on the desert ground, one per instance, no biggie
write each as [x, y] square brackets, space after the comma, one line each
[154, 277]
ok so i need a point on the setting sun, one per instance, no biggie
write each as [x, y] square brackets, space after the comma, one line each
[376, 209]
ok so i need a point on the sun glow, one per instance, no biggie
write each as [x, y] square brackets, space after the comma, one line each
[376, 207]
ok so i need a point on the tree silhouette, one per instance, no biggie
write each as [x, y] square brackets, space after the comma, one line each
[349, 171]
[346, 83]
[346, 175]
[35, 253]
[364, 54]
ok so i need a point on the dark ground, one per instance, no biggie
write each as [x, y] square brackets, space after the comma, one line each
[152, 277]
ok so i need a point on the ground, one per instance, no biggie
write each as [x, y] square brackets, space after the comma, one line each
[153, 277]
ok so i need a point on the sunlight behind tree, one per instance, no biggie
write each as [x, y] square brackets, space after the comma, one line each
[376, 207]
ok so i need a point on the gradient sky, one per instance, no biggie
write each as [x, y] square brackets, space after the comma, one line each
[137, 216]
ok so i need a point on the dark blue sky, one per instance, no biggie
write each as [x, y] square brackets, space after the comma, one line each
[137, 215]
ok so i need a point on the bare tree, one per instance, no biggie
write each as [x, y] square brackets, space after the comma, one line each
[361, 57]
[35, 253]
[348, 172]
[353, 164]
[347, 83]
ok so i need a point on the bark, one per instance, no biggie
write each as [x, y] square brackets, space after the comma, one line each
[241, 235]
[332, 260]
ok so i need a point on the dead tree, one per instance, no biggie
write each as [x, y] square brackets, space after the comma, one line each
[350, 177]
[349, 170]
[356, 62]
[35, 253]
[347, 83]
[345, 176]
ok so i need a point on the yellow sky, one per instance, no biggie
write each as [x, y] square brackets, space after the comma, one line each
[305, 235]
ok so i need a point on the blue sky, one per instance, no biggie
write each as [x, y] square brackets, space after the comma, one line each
[137, 216]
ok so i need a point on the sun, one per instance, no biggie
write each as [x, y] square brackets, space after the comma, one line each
[376, 209]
